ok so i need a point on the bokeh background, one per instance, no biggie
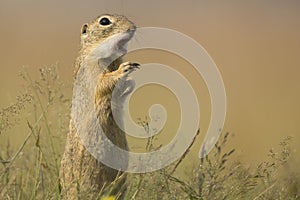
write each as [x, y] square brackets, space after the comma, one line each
[255, 44]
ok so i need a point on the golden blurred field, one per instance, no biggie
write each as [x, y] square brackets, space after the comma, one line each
[255, 45]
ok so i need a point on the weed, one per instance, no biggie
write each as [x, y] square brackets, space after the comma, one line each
[30, 171]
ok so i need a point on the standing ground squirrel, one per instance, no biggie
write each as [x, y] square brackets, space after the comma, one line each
[98, 69]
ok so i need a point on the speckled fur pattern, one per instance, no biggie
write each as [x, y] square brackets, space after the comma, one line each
[81, 175]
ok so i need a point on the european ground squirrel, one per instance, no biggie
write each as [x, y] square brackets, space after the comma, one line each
[98, 69]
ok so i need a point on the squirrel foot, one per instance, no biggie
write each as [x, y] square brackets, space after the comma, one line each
[127, 67]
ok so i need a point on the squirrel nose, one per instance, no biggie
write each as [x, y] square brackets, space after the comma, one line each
[132, 27]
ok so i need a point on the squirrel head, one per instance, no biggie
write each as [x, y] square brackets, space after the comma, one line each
[106, 37]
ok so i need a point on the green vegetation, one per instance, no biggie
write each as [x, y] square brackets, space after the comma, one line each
[38, 122]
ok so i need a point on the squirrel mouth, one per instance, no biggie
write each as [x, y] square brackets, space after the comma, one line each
[123, 42]
[112, 48]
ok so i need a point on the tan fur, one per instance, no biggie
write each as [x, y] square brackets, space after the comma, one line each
[81, 175]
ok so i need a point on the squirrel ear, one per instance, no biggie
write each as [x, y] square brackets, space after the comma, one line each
[84, 28]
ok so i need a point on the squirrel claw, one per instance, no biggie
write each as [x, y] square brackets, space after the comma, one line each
[128, 67]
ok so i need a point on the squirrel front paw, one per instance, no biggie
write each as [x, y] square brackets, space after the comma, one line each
[127, 67]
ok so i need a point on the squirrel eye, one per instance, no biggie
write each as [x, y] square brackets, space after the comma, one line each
[105, 21]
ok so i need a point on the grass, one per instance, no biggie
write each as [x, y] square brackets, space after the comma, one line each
[38, 123]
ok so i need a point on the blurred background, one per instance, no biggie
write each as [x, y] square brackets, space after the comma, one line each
[255, 45]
